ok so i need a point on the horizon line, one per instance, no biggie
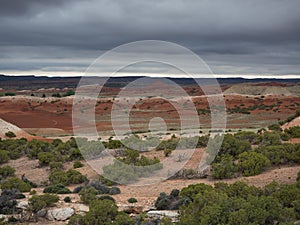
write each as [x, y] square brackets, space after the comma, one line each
[205, 76]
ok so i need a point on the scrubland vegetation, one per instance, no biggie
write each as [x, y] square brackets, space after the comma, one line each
[241, 154]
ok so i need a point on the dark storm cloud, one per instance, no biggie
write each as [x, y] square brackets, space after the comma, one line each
[21, 7]
[265, 33]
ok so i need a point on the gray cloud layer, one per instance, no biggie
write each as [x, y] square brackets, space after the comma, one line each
[233, 36]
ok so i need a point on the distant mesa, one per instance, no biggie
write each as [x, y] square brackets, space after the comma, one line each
[260, 89]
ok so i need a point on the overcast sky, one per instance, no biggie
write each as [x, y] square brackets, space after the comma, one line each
[62, 37]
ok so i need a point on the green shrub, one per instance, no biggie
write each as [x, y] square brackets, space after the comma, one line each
[106, 197]
[271, 138]
[170, 202]
[56, 166]
[106, 181]
[39, 202]
[120, 172]
[240, 204]
[132, 200]
[57, 189]
[75, 154]
[4, 156]
[76, 220]
[123, 219]
[34, 147]
[66, 178]
[167, 152]
[69, 93]
[101, 212]
[16, 183]
[8, 203]
[32, 192]
[278, 154]
[7, 171]
[275, 127]
[58, 177]
[33, 185]
[285, 136]
[293, 132]
[166, 221]
[192, 190]
[88, 194]
[56, 95]
[67, 199]
[224, 169]
[130, 167]
[45, 158]
[233, 146]
[75, 177]
[77, 164]
[252, 137]
[114, 191]
[252, 163]
[9, 94]
[10, 134]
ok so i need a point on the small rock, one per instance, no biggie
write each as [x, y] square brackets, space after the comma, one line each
[22, 205]
[42, 213]
[60, 214]
[158, 214]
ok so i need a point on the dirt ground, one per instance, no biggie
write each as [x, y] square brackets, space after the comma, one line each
[146, 195]
[53, 116]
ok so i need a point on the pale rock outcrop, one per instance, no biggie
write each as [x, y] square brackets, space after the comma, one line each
[60, 214]
[159, 214]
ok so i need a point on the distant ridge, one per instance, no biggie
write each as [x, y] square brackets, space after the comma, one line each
[31, 81]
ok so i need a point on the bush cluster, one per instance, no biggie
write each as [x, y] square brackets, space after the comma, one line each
[170, 202]
[77, 164]
[15, 183]
[8, 201]
[57, 189]
[66, 178]
[89, 191]
[7, 171]
[240, 203]
[102, 212]
[39, 202]
[237, 156]
[130, 167]
[57, 151]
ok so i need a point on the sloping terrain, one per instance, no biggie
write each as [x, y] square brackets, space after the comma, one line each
[293, 123]
[6, 127]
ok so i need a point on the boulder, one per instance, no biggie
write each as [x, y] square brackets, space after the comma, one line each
[61, 214]
[22, 204]
[159, 214]
[42, 213]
